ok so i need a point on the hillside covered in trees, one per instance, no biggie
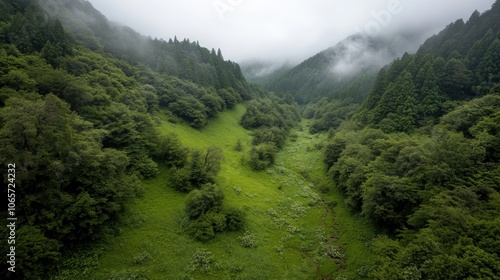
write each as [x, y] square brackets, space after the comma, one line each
[420, 157]
[78, 98]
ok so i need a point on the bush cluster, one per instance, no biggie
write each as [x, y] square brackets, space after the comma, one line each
[207, 216]
[248, 240]
[199, 169]
[272, 121]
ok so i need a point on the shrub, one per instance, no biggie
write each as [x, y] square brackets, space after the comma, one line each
[201, 169]
[200, 201]
[142, 258]
[201, 229]
[273, 135]
[262, 156]
[146, 167]
[248, 240]
[235, 219]
[202, 260]
[217, 218]
[171, 151]
[180, 180]
[206, 216]
[190, 109]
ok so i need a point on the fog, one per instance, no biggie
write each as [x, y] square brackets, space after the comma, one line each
[279, 30]
[363, 52]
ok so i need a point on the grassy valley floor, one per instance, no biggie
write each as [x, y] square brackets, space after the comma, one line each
[299, 234]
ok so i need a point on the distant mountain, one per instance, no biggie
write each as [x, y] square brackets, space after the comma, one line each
[262, 72]
[346, 70]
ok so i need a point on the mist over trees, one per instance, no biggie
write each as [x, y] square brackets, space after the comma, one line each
[345, 71]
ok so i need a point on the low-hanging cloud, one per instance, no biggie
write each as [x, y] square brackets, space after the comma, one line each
[362, 52]
[280, 30]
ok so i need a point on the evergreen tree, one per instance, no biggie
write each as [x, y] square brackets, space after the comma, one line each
[489, 66]
[397, 109]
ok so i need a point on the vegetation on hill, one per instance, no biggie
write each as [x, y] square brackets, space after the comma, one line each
[271, 121]
[78, 105]
[420, 158]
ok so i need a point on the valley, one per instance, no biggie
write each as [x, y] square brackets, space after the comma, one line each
[296, 233]
[145, 158]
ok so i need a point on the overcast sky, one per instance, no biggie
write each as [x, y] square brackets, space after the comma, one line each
[280, 30]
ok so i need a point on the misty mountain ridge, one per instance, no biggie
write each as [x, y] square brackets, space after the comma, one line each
[184, 59]
[360, 52]
[351, 65]
[261, 72]
[348, 69]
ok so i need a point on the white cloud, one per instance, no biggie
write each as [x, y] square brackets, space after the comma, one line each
[277, 29]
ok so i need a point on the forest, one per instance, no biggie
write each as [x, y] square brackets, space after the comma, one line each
[391, 172]
[419, 157]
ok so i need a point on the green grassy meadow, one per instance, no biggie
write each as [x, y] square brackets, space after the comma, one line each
[297, 235]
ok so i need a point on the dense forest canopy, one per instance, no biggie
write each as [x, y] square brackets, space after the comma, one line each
[78, 96]
[420, 157]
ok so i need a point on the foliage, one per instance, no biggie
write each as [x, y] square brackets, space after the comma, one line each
[78, 264]
[262, 156]
[318, 76]
[201, 230]
[207, 216]
[328, 113]
[419, 88]
[61, 158]
[79, 99]
[272, 121]
[436, 187]
[235, 218]
[199, 170]
[203, 260]
[200, 201]
[248, 240]
[37, 250]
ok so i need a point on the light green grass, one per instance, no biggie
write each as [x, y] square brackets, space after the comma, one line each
[295, 232]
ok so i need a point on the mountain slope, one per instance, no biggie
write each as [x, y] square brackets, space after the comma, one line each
[419, 88]
[344, 71]
[421, 159]
[78, 106]
[183, 59]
